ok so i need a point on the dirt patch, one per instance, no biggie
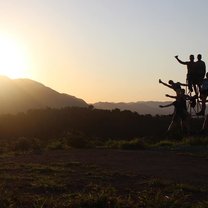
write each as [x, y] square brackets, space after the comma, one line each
[159, 164]
[138, 178]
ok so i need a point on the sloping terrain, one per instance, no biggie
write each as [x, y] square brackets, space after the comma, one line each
[19, 95]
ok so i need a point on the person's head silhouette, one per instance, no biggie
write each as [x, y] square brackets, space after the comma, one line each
[191, 57]
[171, 82]
[183, 92]
[199, 56]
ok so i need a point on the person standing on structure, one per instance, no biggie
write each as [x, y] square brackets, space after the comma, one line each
[200, 72]
[181, 116]
[190, 72]
[203, 95]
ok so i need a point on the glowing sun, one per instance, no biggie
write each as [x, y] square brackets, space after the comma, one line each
[13, 58]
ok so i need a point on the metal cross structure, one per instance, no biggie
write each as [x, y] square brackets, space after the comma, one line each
[193, 105]
[193, 109]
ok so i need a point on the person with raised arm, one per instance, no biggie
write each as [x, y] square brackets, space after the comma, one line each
[176, 86]
[191, 68]
[181, 116]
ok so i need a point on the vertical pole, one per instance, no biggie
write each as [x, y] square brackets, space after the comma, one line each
[205, 124]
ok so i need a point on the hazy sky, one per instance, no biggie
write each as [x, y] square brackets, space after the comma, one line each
[104, 50]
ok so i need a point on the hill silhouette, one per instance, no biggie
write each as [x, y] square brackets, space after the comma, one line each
[20, 95]
[141, 107]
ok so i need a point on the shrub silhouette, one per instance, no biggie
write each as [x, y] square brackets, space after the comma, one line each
[78, 140]
[23, 145]
[92, 123]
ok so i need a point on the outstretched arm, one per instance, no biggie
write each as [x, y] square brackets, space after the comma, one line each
[167, 85]
[181, 62]
[164, 106]
[182, 84]
[170, 96]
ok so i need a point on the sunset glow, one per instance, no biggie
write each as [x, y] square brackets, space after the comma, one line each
[14, 61]
[102, 50]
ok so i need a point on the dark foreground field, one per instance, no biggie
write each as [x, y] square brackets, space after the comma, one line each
[103, 178]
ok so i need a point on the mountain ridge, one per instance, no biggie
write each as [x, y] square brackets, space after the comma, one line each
[20, 95]
[141, 107]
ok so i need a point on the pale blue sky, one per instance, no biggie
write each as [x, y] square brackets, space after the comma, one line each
[107, 50]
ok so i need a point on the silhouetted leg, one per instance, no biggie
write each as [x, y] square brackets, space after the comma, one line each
[205, 124]
[174, 123]
[203, 99]
[204, 104]
[186, 124]
[195, 89]
[190, 86]
[199, 87]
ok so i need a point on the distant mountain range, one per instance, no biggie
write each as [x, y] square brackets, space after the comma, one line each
[142, 107]
[20, 95]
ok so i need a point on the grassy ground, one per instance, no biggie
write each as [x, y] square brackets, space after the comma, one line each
[70, 178]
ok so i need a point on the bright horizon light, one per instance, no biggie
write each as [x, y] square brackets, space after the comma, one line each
[14, 61]
[102, 50]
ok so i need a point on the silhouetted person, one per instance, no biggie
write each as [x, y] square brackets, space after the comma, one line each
[176, 86]
[203, 95]
[200, 71]
[190, 72]
[180, 116]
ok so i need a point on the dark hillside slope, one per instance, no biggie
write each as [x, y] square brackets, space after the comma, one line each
[19, 95]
